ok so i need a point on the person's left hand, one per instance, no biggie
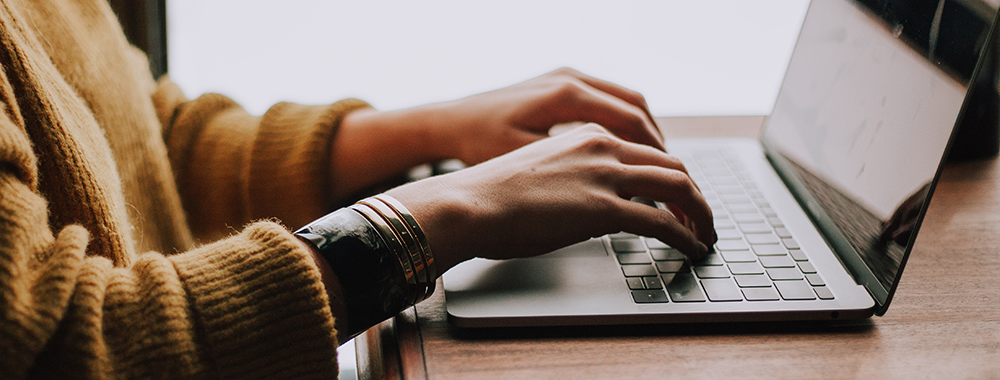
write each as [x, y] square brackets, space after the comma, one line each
[486, 125]
[371, 146]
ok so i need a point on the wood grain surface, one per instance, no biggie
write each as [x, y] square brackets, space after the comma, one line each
[944, 322]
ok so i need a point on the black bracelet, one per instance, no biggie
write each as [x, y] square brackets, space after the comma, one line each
[370, 274]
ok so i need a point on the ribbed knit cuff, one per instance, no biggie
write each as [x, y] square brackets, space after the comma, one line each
[260, 305]
[290, 163]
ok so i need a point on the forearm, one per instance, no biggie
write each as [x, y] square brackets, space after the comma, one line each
[231, 167]
[371, 147]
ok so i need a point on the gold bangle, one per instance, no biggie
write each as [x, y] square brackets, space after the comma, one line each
[403, 234]
[383, 228]
[417, 233]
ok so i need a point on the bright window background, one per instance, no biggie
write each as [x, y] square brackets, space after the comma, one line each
[706, 57]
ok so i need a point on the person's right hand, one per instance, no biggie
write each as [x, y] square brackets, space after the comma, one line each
[556, 192]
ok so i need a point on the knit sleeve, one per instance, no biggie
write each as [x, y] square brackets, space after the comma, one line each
[251, 305]
[232, 167]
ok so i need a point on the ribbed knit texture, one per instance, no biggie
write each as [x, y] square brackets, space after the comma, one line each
[108, 179]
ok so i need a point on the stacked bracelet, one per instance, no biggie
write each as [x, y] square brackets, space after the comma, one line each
[380, 256]
[400, 230]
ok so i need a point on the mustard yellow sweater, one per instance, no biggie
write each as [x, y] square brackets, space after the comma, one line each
[113, 192]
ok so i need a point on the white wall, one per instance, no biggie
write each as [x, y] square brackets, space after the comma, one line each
[706, 57]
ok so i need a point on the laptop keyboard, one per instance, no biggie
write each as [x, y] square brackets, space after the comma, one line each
[756, 258]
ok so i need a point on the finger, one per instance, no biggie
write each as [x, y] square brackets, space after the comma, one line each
[620, 92]
[581, 102]
[687, 222]
[673, 188]
[643, 220]
[637, 154]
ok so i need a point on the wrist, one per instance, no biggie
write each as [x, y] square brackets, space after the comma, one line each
[448, 218]
[371, 147]
[378, 259]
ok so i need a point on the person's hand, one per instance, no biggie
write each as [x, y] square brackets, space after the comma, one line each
[371, 146]
[487, 125]
[557, 192]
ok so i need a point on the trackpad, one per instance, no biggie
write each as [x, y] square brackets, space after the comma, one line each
[589, 248]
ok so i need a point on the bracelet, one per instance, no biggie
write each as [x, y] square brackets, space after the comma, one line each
[370, 275]
[408, 246]
[402, 231]
[380, 256]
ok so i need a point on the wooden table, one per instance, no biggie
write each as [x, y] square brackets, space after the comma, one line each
[943, 323]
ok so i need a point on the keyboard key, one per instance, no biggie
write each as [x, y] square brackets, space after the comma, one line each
[652, 282]
[815, 280]
[645, 201]
[656, 244]
[760, 294]
[768, 211]
[723, 223]
[777, 262]
[806, 267]
[728, 234]
[711, 272]
[738, 256]
[649, 296]
[782, 232]
[746, 268]
[762, 238]
[623, 235]
[752, 281]
[722, 290]
[672, 266]
[633, 258]
[729, 189]
[790, 243]
[719, 213]
[734, 198]
[717, 171]
[742, 208]
[723, 181]
[627, 245]
[669, 254]
[754, 217]
[823, 292]
[797, 255]
[769, 250]
[795, 290]
[713, 259]
[776, 222]
[731, 245]
[638, 270]
[782, 274]
[635, 283]
[754, 228]
[685, 288]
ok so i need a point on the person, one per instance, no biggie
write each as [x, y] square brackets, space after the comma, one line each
[142, 233]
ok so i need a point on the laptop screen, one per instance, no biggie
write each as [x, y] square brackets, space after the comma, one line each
[863, 118]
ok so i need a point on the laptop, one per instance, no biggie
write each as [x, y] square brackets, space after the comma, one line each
[815, 218]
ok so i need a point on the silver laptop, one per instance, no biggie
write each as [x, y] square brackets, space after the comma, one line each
[815, 219]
